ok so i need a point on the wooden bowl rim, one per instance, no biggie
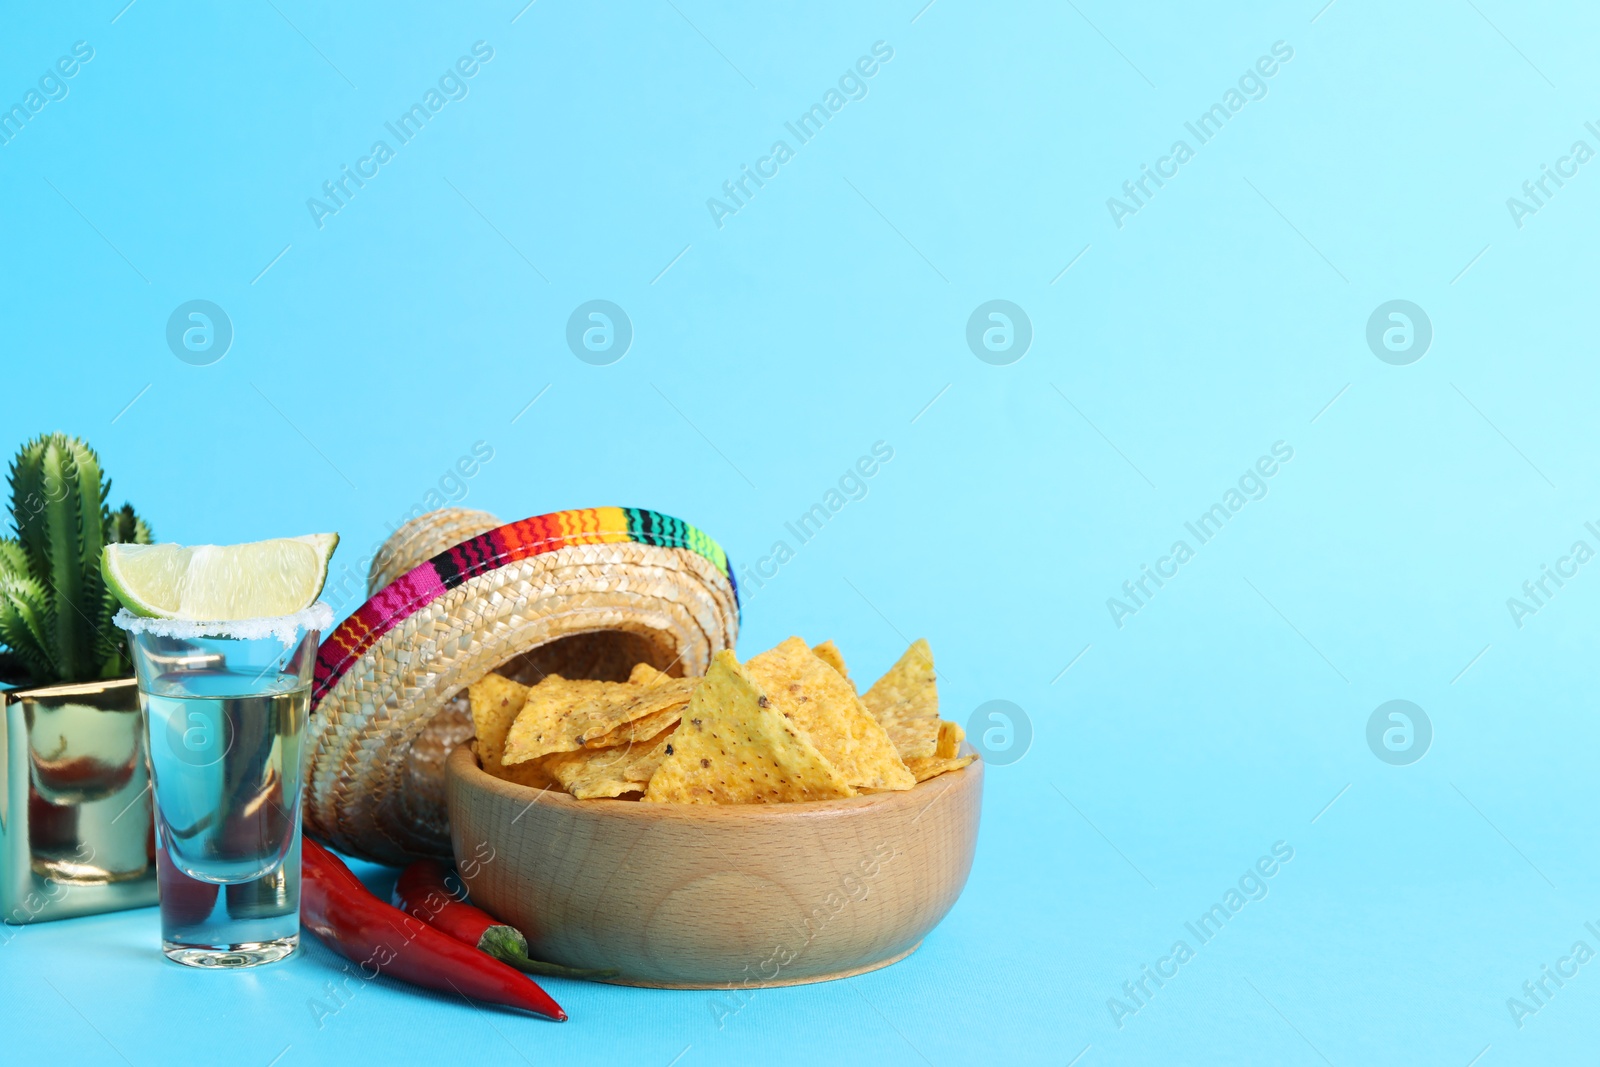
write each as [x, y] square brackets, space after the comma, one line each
[463, 763]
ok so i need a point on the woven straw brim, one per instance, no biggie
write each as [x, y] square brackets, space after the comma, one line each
[423, 538]
[379, 737]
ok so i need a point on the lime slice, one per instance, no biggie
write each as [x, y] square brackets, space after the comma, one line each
[218, 583]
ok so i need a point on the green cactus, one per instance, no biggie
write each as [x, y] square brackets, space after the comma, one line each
[55, 611]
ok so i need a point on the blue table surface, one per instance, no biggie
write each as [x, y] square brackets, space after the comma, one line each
[1314, 162]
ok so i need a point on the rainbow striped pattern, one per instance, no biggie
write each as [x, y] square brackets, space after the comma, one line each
[515, 541]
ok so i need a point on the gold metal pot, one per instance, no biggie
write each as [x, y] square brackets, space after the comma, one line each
[76, 825]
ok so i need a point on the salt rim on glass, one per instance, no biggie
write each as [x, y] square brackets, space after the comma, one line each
[318, 616]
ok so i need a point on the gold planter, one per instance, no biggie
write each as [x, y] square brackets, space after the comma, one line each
[76, 825]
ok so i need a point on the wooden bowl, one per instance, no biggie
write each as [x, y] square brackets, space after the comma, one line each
[700, 896]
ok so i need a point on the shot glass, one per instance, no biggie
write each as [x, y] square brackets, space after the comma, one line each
[225, 709]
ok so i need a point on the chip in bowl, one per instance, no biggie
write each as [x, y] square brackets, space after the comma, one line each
[906, 702]
[829, 653]
[608, 772]
[825, 708]
[495, 702]
[562, 715]
[735, 746]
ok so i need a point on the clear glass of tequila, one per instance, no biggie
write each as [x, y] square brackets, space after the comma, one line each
[225, 708]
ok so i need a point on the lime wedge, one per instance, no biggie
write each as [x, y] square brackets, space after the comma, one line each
[218, 583]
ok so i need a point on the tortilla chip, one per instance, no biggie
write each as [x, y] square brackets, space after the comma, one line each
[673, 694]
[644, 728]
[609, 772]
[950, 738]
[906, 702]
[561, 715]
[822, 704]
[644, 674]
[829, 653]
[735, 746]
[646, 710]
[925, 767]
[495, 702]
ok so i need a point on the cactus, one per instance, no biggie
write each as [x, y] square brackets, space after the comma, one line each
[55, 611]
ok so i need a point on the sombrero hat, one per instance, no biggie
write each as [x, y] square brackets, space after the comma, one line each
[422, 538]
[584, 594]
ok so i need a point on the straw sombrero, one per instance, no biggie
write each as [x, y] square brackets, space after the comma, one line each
[584, 594]
[422, 538]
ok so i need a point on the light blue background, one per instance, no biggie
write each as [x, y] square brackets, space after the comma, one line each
[1228, 314]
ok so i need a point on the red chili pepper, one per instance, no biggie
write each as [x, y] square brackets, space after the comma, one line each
[369, 933]
[425, 892]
